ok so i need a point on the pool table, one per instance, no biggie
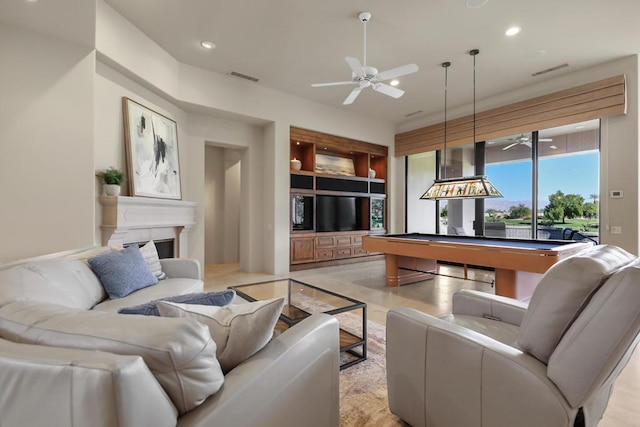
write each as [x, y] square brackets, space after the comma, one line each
[518, 263]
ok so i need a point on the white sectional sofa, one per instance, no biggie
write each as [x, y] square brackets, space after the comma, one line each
[67, 358]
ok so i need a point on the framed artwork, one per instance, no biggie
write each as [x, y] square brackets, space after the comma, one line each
[151, 142]
[334, 165]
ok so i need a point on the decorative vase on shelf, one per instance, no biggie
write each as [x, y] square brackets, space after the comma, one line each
[111, 189]
[372, 173]
[296, 164]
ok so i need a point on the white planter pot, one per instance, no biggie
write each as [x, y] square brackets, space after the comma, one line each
[296, 164]
[111, 189]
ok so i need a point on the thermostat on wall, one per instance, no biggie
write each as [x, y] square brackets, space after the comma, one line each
[615, 194]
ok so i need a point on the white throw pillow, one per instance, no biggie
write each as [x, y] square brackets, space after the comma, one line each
[150, 255]
[239, 330]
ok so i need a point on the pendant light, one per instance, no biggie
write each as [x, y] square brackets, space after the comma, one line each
[472, 187]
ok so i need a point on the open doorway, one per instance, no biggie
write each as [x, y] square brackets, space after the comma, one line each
[222, 205]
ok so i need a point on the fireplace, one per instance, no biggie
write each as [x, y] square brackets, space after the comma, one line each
[128, 220]
[164, 247]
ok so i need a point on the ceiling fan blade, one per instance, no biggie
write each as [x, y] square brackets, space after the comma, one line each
[510, 145]
[388, 90]
[333, 84]
[527, 143]
[352, 96]
[355, 65]
[396, 72]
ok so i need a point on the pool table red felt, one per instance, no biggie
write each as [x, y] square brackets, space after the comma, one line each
[518, 263]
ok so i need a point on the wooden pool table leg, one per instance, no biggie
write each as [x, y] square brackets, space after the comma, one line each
[516, 284]
[391, 270]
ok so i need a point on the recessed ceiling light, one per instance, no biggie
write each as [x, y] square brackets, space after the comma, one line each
[512, 31]
[207, 45]
[553, 147]
[476, 3]
[394, 82]
[32, 1]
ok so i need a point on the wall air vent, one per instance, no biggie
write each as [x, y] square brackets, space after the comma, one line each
[414, 113]
[244, 76]
[548, 70]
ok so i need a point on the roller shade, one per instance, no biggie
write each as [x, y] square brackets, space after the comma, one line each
[595, 100]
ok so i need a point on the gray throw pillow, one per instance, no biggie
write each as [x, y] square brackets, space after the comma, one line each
[239, 330]
[122, 272]
[216, 298]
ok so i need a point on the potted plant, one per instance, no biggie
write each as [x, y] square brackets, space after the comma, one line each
[111, 180]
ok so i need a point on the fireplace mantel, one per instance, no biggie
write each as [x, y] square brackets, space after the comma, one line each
[140, 219]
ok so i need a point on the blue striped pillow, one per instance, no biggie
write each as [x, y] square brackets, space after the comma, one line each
[218, 298]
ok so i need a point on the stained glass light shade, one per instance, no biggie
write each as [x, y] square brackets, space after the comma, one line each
[472, 187]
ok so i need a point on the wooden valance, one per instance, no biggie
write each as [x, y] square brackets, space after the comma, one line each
[336, 143]
[595, 100]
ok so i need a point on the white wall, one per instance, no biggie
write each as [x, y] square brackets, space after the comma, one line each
[46, 141]
[213, 205]
[619, 145]
[231, 203]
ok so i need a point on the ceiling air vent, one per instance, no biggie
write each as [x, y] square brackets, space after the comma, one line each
[244, 76]
[414, 113]
[548, 70]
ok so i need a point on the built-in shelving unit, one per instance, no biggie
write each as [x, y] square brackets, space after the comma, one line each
[338, 195]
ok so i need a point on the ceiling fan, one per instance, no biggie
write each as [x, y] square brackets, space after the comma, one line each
[524, 140]
[364, 76]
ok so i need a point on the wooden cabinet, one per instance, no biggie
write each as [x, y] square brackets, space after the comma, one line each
[338, 195]
[337, 188]
[302, 249]
[322, 247]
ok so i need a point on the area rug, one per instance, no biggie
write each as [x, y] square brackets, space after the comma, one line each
[363, 387]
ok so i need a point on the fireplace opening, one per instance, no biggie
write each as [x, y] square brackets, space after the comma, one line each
[164, 247]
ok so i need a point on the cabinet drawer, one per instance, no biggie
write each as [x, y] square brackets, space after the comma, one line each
[343, 240]
[324, 254]
[325, 242]
[359, 251]
[356, 240]
[343, 252]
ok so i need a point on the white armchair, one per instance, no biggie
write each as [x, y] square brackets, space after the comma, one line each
[496, 362]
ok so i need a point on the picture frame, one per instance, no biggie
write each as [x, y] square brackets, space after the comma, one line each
[334, 165]
[151, 143]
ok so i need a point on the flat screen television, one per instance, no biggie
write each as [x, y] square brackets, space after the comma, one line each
[340, 213]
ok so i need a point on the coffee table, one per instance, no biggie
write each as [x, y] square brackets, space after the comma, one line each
[302, 300]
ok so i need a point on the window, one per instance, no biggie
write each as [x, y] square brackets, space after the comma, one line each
[568, 181]
[509, 167]
[420, 214]
[549, 179]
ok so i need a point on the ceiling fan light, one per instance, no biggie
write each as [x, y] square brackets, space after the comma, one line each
[394, 82]
[207, 45]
